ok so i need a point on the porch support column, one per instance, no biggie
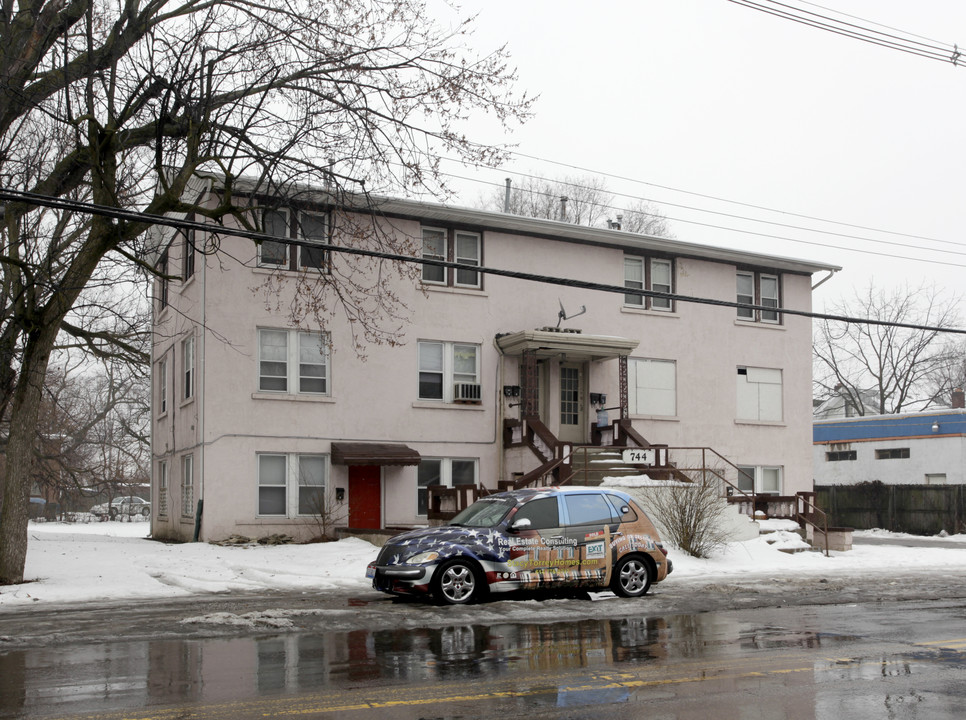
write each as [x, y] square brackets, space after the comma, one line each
[529, 384]
[622, 379]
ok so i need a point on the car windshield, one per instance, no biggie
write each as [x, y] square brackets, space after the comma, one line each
[484, 513]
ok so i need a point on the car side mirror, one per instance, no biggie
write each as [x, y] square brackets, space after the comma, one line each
[521, 524]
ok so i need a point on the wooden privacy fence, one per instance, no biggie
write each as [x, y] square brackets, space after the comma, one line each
[916, 509]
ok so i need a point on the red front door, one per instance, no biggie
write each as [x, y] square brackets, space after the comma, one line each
[365, 496]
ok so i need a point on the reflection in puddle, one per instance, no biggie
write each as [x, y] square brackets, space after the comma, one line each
[160, 672]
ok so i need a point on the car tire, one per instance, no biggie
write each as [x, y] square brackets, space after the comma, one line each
[112, 513]
[457, 582]
[632, 577]
[146, 511]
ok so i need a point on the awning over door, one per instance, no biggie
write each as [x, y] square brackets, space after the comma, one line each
[355, 453]
[574, 346]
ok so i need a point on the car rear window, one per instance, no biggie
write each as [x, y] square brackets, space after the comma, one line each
[591, 509]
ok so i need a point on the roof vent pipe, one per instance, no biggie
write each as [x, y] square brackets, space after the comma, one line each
[958, 399]
[563, 208]
[506, 197]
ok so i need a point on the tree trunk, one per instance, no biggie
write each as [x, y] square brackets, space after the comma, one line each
[24, 413]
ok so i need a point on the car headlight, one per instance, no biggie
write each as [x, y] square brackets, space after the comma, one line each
[423, 557]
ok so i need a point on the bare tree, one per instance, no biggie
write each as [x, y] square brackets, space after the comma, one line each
[123, 104]
[578, 199]
[891, 366]
[690, 513]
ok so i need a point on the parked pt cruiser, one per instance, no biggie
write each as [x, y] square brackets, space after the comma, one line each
[592, 538]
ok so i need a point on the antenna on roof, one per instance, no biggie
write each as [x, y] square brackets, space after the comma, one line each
[562, 315]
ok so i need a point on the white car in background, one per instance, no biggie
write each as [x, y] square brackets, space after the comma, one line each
[130, 506]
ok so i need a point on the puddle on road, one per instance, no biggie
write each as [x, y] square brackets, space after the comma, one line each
[160, 672]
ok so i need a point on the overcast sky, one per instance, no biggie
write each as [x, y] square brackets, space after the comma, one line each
[715, 99]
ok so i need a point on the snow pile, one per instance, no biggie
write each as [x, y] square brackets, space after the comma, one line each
[74, 563]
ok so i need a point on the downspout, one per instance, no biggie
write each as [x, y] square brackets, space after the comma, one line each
[824, 279]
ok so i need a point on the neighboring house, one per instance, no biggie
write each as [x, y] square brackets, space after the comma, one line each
[844, 405]
[926, 448]
[274, 426]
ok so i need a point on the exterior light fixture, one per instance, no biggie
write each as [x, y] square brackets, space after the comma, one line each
[935, 427]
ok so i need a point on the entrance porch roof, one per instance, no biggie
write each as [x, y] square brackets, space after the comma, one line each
[575, 346]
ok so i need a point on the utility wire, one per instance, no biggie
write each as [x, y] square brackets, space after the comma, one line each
[716, 198]
[930, 50]
[815, 243]
[180, 224]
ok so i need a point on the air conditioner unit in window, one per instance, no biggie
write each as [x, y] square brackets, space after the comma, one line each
[467, 393]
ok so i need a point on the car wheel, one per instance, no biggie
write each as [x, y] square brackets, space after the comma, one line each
[112, 513]
[632, 577]
[456, 583]
[146, 511]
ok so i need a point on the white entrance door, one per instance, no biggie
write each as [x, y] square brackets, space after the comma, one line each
[573, 404]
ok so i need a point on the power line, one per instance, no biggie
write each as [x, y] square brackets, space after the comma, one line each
[769, 236]
[181, 224]
[929, 50]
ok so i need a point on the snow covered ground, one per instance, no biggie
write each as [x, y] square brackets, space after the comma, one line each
[89, 562]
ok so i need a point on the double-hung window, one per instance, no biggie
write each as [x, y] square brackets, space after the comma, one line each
[448, 371]
[162, 268]
[188, 367]
[272, 253]
[188, 254]
[291, 485]
[760, 479]
[290, 361]
[462, 247]
[449, 472]
[754, 288]
[759, 394]
[652, 387]
[653, 274]
[162, 386]
[163, 488]
[188, 486]
[313, 228]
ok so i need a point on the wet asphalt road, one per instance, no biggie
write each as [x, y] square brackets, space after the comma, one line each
[869, 646]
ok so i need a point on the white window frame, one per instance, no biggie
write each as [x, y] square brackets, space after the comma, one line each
[448, 371]
[445, 477]
[634, 280]
[773, 475]
[162, 386]
[266, 261]
[641, 273]
[324, 239]
[163, 488]
[188, 486]
[429, 271]
[755, 295]
[188, 255]
[760, 394]
[463, 259]
[295, 364]
[769, 316]
[652, 387]
[292, 485]
[188, 367]
[662, 304]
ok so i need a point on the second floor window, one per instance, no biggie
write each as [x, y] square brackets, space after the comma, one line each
[188, 365]
[462, 247]
[758, 289]
[310, 227]
[162, 387]
[293, 362]
[759, 394]
[648, 274]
